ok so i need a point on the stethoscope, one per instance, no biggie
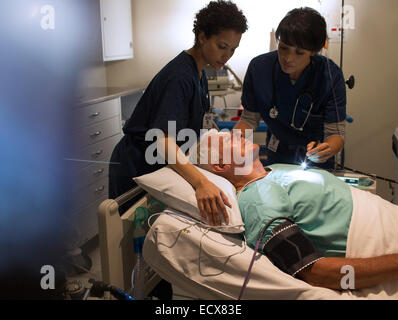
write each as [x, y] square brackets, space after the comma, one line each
[273, 113]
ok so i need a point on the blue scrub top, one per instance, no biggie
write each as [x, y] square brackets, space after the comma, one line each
[258, 91]
[176, 93]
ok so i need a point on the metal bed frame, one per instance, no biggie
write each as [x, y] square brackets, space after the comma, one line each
[116, 242]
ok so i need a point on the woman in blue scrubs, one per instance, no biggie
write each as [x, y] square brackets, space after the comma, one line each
[299, 94]
[178, 94]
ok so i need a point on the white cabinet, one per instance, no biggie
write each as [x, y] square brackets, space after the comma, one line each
[116, 26]
[97, 131]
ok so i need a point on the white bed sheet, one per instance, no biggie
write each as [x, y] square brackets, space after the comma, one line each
[373, 232]
[211, 265]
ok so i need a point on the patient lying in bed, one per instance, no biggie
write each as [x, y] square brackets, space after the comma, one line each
[319, 203]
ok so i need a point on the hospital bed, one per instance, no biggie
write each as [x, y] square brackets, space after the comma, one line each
[203, 263]
[206, 263]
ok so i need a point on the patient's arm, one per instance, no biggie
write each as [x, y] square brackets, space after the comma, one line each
[369, 272]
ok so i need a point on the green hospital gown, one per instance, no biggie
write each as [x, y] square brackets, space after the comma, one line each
[319, 203]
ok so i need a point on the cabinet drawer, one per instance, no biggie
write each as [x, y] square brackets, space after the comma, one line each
[83, 197]
[88, 115]
[96, 153]
[97, 132]
[89, 175]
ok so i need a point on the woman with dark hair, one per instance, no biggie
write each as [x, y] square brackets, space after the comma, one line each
[178, 94]
[299, 93]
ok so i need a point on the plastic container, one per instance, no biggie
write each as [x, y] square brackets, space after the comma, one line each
[138, 276]
[141, 215]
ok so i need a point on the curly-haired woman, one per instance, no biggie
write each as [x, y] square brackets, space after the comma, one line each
[179, 93]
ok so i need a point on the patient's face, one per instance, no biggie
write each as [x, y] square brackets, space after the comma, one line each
[237, 147]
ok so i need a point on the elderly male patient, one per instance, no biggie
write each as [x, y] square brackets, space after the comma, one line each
[320, 204]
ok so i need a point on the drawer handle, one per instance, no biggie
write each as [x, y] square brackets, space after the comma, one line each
[95, 114]
[100, 189]
[96, 134]
[98, 172]
[97, 153]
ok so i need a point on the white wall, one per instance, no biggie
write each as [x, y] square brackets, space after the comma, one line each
[163, 28]
[370, 55]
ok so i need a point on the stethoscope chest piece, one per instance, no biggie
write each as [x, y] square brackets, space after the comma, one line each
[273, 113]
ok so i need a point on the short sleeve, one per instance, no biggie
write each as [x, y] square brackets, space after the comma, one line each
[259, 204]
[249, 100]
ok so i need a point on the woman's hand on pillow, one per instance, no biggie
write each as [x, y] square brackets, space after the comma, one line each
[211, 200]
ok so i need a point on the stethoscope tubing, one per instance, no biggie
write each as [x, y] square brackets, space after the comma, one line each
[307, 90]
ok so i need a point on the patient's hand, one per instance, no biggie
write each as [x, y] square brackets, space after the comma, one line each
[210, 200]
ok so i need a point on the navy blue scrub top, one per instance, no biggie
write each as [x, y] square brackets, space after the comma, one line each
[176, 93]
[258, 90]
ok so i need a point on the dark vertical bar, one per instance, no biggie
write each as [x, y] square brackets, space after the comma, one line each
[342, 34]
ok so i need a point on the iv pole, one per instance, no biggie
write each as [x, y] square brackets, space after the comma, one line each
[342, 35]
[351, 80]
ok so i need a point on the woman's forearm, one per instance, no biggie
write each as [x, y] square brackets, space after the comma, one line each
[210, 198]
[177, 160]
[336, 143]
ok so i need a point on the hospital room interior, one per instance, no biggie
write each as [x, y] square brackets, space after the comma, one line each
[92, 62]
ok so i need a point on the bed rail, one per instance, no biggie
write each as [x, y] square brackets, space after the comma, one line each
[116, 242]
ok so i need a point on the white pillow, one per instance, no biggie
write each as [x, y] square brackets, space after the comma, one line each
[168, 186]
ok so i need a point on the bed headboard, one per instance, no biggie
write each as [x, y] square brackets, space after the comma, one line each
[116, 242]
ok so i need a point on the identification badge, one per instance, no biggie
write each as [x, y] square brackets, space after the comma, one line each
[273, 143]
[207, 120]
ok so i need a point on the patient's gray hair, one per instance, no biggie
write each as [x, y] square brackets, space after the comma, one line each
[203, 153]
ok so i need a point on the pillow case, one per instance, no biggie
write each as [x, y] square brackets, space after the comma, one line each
[168, 186]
